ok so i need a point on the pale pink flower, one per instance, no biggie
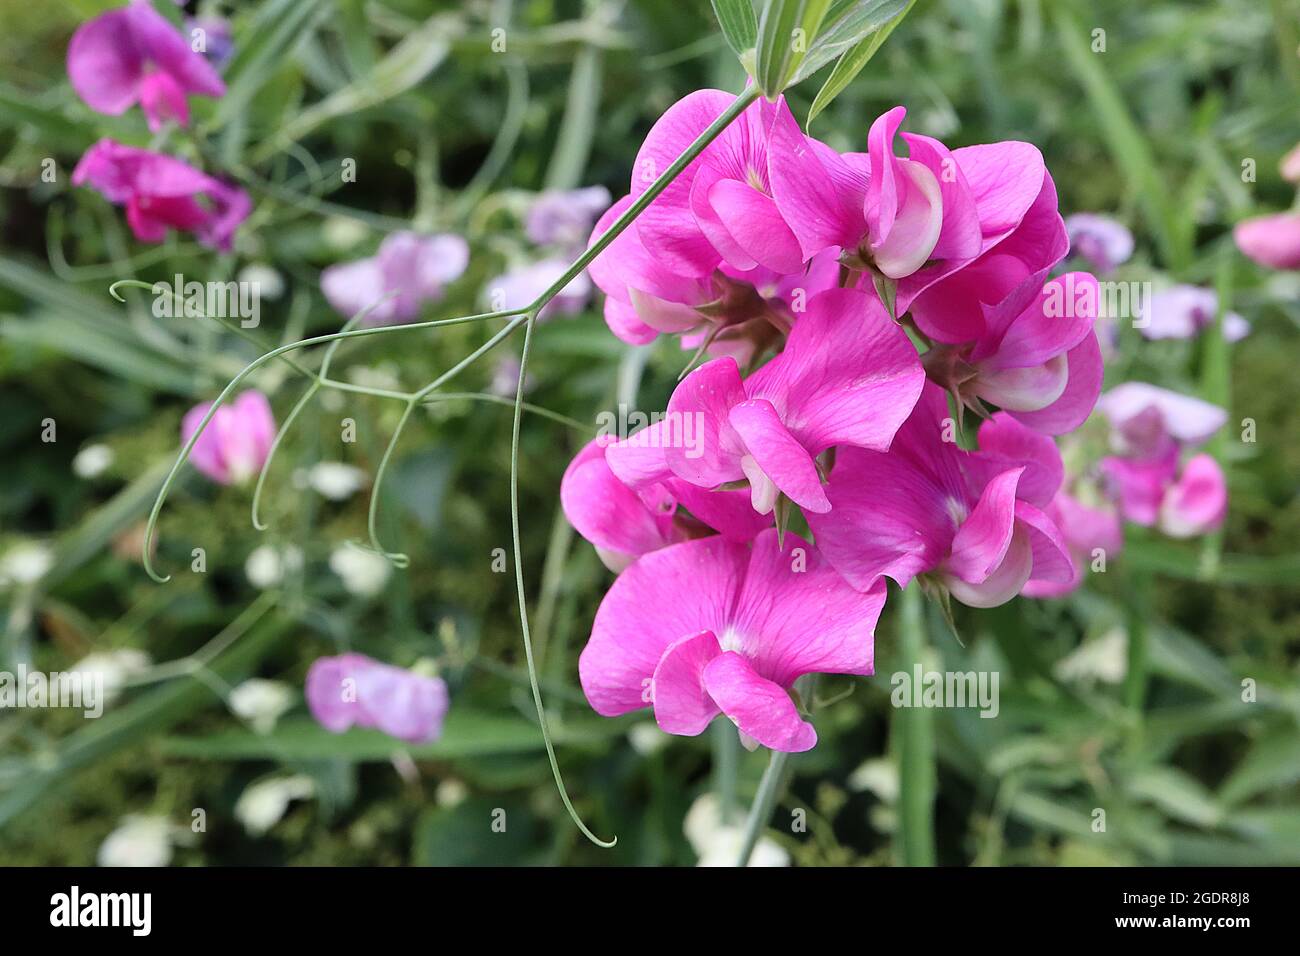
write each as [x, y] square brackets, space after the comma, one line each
[234, 446]
[355, 690]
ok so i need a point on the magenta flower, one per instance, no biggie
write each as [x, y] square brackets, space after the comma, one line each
[720, 209]
[970, 522]
[713, 626]
[843, 356]
[234, 446]
[1100, 241]
[409, 270]
[1184, 311]
[162, 193]
[563, 217]
[1272, 241]
[355, 690]
[1086, 530]
[624, 522]
[133, 55]
[1034, 354]
[739, 312]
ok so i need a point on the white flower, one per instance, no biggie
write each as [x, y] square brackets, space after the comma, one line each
[450, 793]
[270, 284]
[25, 562]
[115, 669]
[92, 461]
[646, 738]
[717, 844]
[139, 840]
[879, 775]
[262, 804]
[336, 480]
[1104, 659]
[343, 232]
[266, 566]
[261, 702]
[364, 573]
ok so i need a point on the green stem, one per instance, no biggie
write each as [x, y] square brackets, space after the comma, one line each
[760, 811]
[726, 761]
[914, 727]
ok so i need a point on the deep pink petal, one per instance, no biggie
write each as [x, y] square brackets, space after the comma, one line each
[981, 542]
[608, 513]
[759, 229]
[1005, 443]
[682, 705]
[705, 398]
[1080, 396]
[761, 709]
[104, 64]
[1005, 179]
[961, 236]
[1197, 502]
[663, 596]
[819, 194]
[779, 454]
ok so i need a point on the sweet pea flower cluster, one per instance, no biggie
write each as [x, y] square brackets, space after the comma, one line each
[854, 308]
[133, 55]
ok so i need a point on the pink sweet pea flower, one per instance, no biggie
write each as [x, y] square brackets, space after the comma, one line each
[740, 312]
[355, 690]
[409, 270]
[623, 522]
[1184, 311]
[234, 446]
[1272, 241]
[1034, 354]
[714, 626]
[162, 193]
[842, 357]
[1100, 241]
[1086, 530]
[1148, 422]
[971, 522]
[720, 209]
[1182, 503]
[133, 55]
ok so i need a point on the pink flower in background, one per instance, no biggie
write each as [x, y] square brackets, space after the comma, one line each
[1272, 241]
[1151, 429]
[1086, 529]
[842, 357]
[1147, 421]
[624, 522]
[521, 287]
[1034, 354]
[218, 42]
[1290, 165]
[564, 217]
[162, 193]
[1100, 241]
[973, 522]
[133, 55]
[355, 690]
[234, 446]
[714, 626]
[1184, 311]
[409, 270]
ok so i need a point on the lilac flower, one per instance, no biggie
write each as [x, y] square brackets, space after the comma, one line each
[1184, 311]
[1102, 242]
[520, 287]
[409, 270]
[352, 689]
[133, 55]
[218, 43]
[564, 218]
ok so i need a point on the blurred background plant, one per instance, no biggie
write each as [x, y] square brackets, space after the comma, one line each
[207, 754]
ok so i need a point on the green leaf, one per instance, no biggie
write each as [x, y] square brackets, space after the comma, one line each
[466, 733]
[274, 31]
[739, 24]
[1273, 762]
[785, 34]
[852, 62]
[847, 25]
